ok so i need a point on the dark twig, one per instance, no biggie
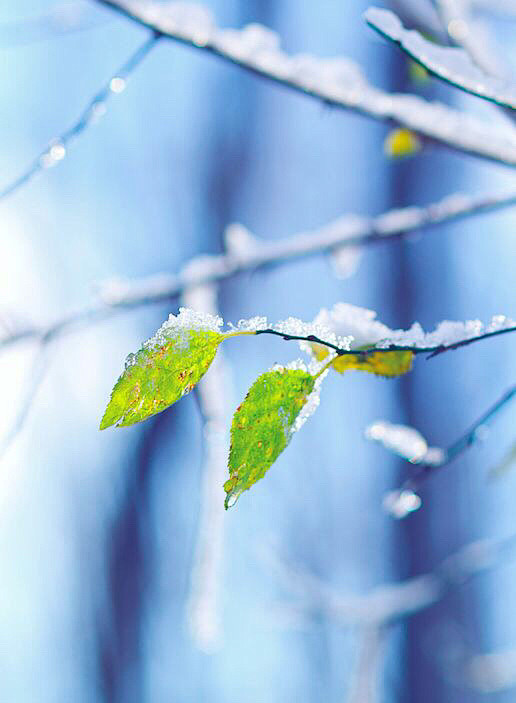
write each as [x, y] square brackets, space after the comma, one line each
[465, 441]
[391, 347]
[393, 602]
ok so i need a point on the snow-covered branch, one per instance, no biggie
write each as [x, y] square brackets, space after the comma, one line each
[496, 327]
[451, 64]
[350, 230]
[465, 28]
[339, 81]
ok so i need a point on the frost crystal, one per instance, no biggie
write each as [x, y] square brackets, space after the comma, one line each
[358, 323]
[178, 327]
[252, 324]
[399, 504]
[313, 400]
[446, 333]
[297, 328]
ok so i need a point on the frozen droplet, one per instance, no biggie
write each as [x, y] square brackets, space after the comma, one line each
[57, 151]
[401, 503]
[458, 29]
[117, 84]
[130, 360]
[232, 498]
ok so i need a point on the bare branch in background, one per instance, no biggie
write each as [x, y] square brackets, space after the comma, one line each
[364, 682]
[338, 82]
[404, 500]
[391, 602]
[351, 230]
[56, 150]
[214, 396]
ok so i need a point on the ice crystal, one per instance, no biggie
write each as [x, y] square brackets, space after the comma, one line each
[350, 321]
[179, 326]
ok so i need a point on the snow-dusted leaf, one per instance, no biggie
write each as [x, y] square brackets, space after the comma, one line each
[277, 404]
[451, 64]
[400, 143]
[167, 367]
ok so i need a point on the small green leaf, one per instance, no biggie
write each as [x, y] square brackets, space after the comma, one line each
[263, 426]
[167, 367]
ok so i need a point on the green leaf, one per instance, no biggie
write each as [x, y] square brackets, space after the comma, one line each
[274, 408]
[167, 367]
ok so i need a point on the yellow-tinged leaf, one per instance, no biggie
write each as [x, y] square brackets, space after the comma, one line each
[400, 143]
[389, 364]
[381, 363]
[167, 367]
[417, 72]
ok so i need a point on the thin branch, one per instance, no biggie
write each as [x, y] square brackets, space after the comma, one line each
[465, 441]
[393, 602]
[96, 107]
[439, 349]
[350, 230]
[336, 82]
[450, 64]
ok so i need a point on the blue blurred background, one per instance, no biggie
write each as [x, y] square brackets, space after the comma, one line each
[98, 530]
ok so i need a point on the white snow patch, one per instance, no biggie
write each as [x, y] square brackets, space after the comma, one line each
[178, 326]
[401, 439]
[401, 503]
[449, 63]
[346, 320]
